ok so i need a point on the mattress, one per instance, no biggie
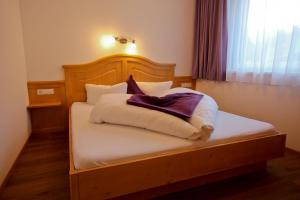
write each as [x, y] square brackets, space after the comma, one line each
[102, 144]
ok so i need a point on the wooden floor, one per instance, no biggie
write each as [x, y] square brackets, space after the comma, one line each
[42, 173]
[42, 169]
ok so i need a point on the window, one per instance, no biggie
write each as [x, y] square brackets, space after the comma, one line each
[264, 41]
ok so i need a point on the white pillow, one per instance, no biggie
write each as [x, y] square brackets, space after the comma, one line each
[94, 91]
[154, 88]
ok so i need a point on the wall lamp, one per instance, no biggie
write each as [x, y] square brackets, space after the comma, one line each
[109, 41]
[124, 40]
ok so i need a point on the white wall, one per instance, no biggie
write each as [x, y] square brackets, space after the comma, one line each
[13, 115]
[277, 105]
[58, 32]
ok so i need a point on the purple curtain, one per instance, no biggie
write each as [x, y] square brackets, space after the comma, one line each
[210, 48]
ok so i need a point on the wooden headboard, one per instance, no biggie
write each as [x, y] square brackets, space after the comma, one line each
[111, 70]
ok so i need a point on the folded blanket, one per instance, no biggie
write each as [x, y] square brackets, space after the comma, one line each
[205, 112]
[180, 104]
[113, 108]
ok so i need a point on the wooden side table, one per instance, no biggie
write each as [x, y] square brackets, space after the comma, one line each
[47, 117]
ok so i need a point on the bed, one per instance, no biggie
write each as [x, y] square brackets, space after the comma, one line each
[113, 161]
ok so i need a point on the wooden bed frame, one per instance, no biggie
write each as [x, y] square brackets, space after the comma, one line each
[154, 175]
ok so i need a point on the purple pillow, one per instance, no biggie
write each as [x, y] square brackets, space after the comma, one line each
[132, 87]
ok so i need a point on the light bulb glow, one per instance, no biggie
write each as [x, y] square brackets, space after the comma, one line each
[131, 48]
[107, 41]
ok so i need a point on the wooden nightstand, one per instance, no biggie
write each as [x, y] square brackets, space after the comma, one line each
[47, 117]
[48, 112]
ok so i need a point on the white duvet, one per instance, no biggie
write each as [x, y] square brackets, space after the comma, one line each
[112, 108]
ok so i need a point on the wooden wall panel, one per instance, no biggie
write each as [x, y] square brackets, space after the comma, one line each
[48, 112]
[179, 81]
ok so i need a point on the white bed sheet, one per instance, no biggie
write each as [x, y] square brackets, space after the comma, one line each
[99, 144]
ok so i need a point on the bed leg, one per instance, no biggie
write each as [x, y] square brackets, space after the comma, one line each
[74, 188]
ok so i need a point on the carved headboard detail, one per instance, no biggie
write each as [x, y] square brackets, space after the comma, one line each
[111, 70]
